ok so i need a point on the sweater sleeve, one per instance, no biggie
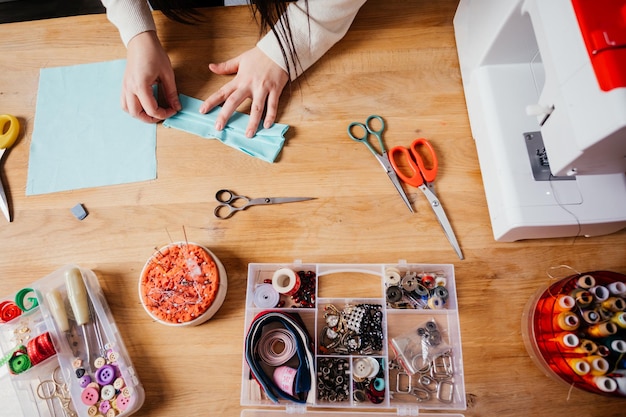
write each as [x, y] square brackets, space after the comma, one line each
[131, 17]
[312, 33]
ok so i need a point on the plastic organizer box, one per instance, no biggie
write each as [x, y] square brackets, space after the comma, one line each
[351, 337]
[62, 354]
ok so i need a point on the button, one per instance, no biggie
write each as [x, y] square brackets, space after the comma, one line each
[113, 357]
[84, 380]
[105, 406]
[111, 413]
[107, 392]
[118, 384]
[366, 368]
[122, 402]
[99, 363]
[77, 363]
[105, 375]
[90, 396]
[92, 411]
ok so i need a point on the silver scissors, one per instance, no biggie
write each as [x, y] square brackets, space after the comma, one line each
[229, 202]
[382, 157]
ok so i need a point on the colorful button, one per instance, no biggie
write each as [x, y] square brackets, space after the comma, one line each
[90, 396]
[122, 402]
[84, 381]
[107, 392]
[105, 375]
[119, 383]
[105, 406]
[99, 363]
[92, 411]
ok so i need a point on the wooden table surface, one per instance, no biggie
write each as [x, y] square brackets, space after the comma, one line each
[398, 60]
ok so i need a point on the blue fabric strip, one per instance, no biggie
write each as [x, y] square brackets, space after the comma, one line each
[265, 145]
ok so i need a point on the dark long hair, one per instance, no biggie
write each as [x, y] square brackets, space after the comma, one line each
[269, 13]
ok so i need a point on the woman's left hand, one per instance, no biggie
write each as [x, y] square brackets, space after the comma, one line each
[258, 78]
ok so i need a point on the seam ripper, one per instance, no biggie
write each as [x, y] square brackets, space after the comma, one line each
[57, 308]
[77, 295]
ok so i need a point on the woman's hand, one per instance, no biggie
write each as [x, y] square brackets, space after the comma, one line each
[148, 64]
[258, 78]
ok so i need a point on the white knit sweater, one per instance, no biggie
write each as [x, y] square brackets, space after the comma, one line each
[313, 34]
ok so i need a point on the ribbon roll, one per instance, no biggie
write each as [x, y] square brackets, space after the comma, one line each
[8, 311]
[285, 281]
[276, 347]
[265, 296]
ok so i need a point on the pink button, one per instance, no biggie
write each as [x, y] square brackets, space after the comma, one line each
[105, 406]
[122, 402]
[90, 396]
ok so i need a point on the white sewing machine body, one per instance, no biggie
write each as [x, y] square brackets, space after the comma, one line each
[530, 73]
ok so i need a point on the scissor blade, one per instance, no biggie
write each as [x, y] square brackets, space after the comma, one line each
[4, 206]
[280, 200]
[396, 183]
[435, 204]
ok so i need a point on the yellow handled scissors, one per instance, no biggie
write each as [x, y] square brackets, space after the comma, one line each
[229, 202]
[9, 130]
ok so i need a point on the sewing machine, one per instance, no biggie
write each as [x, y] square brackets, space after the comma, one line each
[545, 87]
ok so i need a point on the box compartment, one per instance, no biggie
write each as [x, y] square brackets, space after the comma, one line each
[379, 329]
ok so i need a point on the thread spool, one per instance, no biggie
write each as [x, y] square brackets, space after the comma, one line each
[582, 297]
[579, 366]
[599, 365]
[285, 281]
[599, 292]
[567, 321]
[566, 341]
[614, 304]
[586, 281]
[620, 320]
[617, 288]
[591, 316]
[604, 383]
[564, 303]
[604, 329]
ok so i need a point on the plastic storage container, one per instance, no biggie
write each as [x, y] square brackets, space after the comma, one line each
[391, 342]
[575, 331]
[62, 354]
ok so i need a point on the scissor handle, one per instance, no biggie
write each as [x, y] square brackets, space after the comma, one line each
[421, 158]
[400, 153]
[229, 203]
[9, 130]
[367, 130]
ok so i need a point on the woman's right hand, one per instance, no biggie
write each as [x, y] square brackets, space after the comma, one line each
[148, 64]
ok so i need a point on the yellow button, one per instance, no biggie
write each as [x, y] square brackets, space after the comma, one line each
[119, 383]
[92, 411]
[99, 363]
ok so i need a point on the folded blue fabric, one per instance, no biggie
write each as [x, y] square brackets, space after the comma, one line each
[265, 145]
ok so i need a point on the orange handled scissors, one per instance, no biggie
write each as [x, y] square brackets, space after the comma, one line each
[9, 130]
[423, 163]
